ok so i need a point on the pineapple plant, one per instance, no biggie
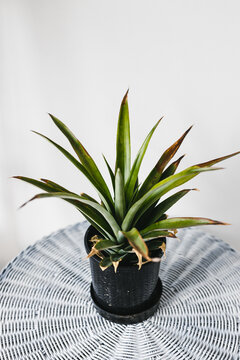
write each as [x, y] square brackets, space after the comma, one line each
[131, 219]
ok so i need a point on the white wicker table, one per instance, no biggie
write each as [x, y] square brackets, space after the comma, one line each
[46, 310]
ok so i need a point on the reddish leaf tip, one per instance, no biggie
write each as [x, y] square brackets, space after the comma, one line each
[21, 206]
[177, 162]
[181, 157]
[223, 223]
[160, 119]
[216, 222]
[124, 100]
[187, 131]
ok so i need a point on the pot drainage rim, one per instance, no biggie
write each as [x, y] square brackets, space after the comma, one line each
[130, 318]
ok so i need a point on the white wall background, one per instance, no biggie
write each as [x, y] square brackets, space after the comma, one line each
[76, 58]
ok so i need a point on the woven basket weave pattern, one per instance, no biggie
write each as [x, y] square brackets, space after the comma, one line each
[46, 310]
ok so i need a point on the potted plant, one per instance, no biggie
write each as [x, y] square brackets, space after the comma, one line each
[129, 226]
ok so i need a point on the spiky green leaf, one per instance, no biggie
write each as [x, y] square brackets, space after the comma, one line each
[138, 209]
[39, 184]
[136, 241]
[120, 205]
[85, 159]
[154, 234]
[154, 176]
[167, 204]
[56, 186]
[123, 145]
[88, 197]
[103, 244]
[131, 182]
[111, 173]
[180, 222]
[80, 167]
[215, 161]
[171, 169]
[92, 205]
[153, 214]
[105, 262]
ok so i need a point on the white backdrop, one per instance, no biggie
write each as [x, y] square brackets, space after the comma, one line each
[76, 58]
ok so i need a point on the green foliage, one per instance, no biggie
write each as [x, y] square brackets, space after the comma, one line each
[131, 219]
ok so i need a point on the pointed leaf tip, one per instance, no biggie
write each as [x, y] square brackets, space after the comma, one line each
[36, 132]
[123, 144]
[214, 161]
[190, 127]
[157, 172]
[159, 120]
[51, 116]
[177, 162]
[115, 265]
[216, 222]
[180, 140]
[124, 100]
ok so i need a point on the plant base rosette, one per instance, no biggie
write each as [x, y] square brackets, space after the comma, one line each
[128, 295]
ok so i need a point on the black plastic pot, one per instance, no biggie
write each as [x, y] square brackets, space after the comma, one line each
[129, 295]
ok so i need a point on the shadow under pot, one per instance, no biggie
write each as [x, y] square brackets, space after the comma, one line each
[129, 295]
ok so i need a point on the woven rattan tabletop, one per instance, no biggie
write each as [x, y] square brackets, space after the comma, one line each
[46, 311]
